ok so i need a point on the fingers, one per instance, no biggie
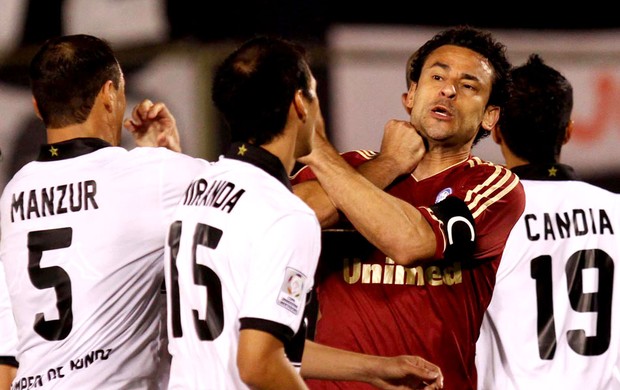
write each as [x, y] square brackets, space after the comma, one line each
[154, 110]
[138, 115]
[429, 373]
[146, 112]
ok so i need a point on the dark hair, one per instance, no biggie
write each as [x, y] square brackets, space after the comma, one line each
[483, 43]
[535, 119]
[67, 73]
[255, 85]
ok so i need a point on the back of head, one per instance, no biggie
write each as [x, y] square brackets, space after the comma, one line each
[534, 121]
[66, 75]
[255, 85]
[483, 43]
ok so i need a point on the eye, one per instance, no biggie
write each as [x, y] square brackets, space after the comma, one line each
[470, 87]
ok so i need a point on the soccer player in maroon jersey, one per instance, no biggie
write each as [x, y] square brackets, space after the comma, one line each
[437, 216]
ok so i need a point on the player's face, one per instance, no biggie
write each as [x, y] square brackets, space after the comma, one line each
[314, 122]
[448, 104]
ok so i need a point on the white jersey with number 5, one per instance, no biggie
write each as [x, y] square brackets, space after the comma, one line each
[242, 254]
[554, 320]
[83, 233]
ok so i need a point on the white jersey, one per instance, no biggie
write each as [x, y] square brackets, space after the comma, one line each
[82, 245]
[8, 330]
[242, 254]
[553, 321]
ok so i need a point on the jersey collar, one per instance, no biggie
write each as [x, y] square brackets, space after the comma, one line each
[71, 148]
[549, 172]
[261, 158]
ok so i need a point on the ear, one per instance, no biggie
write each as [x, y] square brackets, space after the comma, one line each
[108, 95]
[490, 118]
[407, 98]
[299, 103]
[569, 132]
[496, 134]
[35, 105]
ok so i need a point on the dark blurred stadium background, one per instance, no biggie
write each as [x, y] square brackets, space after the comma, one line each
[305, 20]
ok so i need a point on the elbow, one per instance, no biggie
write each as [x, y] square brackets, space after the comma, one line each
[251, 375]
[407, 254]
[403, 259]
[401, 255]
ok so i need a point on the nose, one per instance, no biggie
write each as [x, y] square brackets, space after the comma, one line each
[448, 90]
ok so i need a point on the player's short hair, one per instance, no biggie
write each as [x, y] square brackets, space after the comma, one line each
[536, 117]
[66, 75]
[254, 86]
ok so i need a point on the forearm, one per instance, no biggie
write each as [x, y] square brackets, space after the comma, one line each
[379, 171]
[323, 362]
[392, 225]
[396, 372]
[313, 194]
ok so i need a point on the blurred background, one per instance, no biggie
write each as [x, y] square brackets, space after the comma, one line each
[169, 48]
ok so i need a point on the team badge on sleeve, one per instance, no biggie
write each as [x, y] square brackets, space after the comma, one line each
[443, 194]
[292, 294]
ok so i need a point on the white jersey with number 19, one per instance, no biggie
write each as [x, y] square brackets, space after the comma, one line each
[553, 321]
[83, 233]
[241, 254]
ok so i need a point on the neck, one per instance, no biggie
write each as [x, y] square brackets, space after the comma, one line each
[434, 162]
[283, 148]
[66, 133]
[82, 130]
[510, 159]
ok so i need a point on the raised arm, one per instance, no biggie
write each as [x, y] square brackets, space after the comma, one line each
[394, 226]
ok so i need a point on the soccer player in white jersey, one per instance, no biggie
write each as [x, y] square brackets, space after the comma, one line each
[83, 227]
[8, 336]
[553, 320]
[243, 249]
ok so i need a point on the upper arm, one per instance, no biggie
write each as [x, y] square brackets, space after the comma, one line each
[263, 364]
[7, 375]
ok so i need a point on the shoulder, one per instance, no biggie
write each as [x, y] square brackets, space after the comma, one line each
[358, 157]
[492, 176]
[491, 186]
[158, 153]
[166, 158]
[354, 157]
[571, 190]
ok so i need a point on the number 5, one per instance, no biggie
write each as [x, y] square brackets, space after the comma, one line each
[48, 277]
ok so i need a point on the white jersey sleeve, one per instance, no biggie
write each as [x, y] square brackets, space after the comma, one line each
[553, 319]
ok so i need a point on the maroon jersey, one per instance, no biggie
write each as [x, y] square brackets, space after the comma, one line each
[433, 309]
